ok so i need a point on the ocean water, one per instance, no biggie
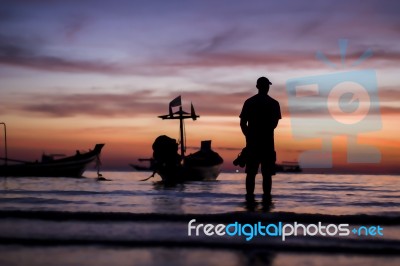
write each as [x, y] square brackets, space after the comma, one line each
[125, 221]
[298, 193]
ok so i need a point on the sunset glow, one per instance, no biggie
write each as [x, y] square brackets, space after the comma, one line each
[77, 73]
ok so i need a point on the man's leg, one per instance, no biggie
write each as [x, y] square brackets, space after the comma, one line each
[251, 171]
[250, 184]
[267, 185]
[267, 170]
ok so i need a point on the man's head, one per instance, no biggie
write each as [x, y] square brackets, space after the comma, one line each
[263, 84]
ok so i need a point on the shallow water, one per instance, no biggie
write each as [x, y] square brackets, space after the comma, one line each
[125, 221]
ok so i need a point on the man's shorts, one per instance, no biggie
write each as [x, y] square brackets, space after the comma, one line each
[267, 160]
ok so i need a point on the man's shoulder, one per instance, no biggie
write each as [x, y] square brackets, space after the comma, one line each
[262, 98]
[273, 100]
[253, 98]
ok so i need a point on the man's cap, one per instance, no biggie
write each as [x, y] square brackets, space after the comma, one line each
[263, 81]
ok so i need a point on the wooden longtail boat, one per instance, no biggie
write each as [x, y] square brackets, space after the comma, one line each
[72, 166]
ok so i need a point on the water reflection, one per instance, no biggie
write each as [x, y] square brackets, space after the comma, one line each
[266, 204]
[98, 255]
[178, 256]
[258, 257]
[170, 199]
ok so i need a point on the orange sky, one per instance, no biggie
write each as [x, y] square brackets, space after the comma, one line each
[130, 138]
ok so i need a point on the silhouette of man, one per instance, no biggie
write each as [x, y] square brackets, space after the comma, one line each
[258, 119]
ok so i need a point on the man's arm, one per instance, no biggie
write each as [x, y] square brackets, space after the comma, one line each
[244, 118]
[278, 116]
[275, 123]
[243, 126]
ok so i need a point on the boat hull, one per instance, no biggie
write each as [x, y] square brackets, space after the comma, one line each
[73, 166]
[202, 173]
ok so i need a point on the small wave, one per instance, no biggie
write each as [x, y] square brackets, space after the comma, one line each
[376, 203]
[115, 193]
[34, 200]
[350, 247]
[244, 217]
[345, 188]
[67, 192]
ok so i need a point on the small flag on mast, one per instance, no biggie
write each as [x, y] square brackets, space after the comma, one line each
[175, 102]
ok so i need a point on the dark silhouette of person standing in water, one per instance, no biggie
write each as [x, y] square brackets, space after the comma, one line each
[258, 119]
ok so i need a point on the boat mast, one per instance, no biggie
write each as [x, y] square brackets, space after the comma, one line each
[5, 142]
[181, 132]
[181, 115]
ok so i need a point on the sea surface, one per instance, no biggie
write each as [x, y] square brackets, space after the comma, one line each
[126, 221]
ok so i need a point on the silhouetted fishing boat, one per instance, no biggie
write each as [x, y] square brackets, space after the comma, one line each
[204, 164]
[72, 166]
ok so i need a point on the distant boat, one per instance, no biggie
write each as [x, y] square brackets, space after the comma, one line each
[138, 167]
[288, 167]
[285, 167]
[204, 164]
